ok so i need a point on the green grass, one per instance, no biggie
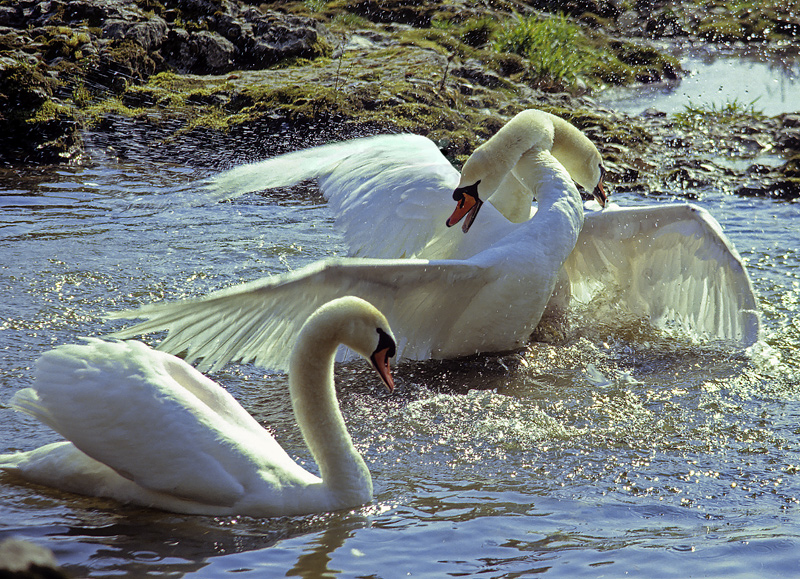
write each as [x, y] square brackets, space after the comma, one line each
[694, 116]
[556, 48]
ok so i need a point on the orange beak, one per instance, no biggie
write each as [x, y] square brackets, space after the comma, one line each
[380, 358]
[468, 204]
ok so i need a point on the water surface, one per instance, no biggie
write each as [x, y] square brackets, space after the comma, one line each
[683, 461]
[767, 81]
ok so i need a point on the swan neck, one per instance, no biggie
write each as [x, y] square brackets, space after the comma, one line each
[317, 412]
[560, 209]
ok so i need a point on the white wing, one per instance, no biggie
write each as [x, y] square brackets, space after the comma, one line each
[671, 264]
[258, 321]
[390, 194]
[154, 419]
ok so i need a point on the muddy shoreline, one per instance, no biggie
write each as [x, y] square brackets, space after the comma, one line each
[213, 83]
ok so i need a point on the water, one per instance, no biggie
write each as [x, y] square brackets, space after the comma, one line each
[769, 81]
[683, 462]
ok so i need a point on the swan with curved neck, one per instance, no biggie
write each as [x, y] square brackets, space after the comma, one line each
[146, 428]
[391, 196]
[402, 186]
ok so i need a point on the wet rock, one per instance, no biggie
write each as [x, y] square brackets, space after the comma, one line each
[759, 169]
[475, 72]
[665, 24]
[791, 168]
[34, 127]
[201, 52]
[24, 560]
[791, 120]
[652, 113]
[686, 178]
[418, 14]
[109, 44]
[149, 34]
[788, 189]
[603, 8]
[788, 140]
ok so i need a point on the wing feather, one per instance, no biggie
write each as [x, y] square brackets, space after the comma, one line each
[154, 419]
[670, 264]
[258, 321]
[399, 186]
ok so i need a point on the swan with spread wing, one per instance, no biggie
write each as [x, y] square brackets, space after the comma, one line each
[670, 263]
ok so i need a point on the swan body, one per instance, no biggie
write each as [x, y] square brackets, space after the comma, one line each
[441, 308]
[671, 264]
[145, 427]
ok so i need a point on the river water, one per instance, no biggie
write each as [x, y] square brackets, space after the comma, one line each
[678, 461]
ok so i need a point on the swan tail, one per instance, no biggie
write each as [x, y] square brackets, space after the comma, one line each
[27, 401]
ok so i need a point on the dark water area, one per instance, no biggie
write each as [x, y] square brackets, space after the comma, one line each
[624, 452]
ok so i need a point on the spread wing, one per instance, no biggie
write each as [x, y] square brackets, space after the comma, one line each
[671, 264]
[390, 194]
[258, 321]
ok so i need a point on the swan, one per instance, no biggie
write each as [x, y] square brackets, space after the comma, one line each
[670, 264]
[402, 185]
[145, 427]
[440, 308]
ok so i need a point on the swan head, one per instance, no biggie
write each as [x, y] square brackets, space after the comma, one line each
[599, 191]
[580, 158]
[361, 327]
[468, 203]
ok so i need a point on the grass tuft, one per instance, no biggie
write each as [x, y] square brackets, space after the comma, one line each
[694, 116]
[556, 49]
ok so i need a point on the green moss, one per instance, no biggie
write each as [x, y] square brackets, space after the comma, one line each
[728, 21]
[608, 131]
[48, 111]
[113, 105]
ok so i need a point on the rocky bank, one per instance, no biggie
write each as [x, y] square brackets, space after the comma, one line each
[217, 82]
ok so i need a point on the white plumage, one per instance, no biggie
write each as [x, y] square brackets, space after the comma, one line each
[671, 264]
[144, 427]
[488, 301]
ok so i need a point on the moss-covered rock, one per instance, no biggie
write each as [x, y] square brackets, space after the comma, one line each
[34, 126]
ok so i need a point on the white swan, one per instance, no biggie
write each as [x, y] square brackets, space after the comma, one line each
[147, 428]
[391, 194]
[403, 187]
[490, 301]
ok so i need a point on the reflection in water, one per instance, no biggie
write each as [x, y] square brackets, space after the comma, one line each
[313, 562]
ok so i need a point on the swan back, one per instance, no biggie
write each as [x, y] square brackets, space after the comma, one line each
[156, 421]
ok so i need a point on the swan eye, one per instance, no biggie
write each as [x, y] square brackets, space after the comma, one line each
[385, 342]
[461, 192]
